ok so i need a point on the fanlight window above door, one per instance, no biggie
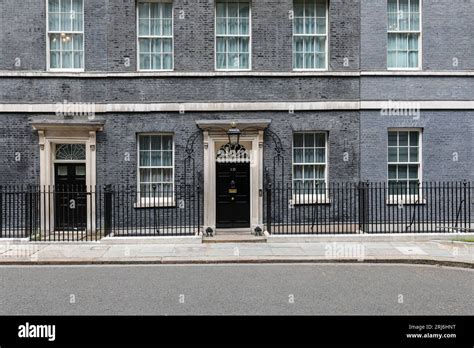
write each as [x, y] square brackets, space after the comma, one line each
[71, 152]
[232, 153]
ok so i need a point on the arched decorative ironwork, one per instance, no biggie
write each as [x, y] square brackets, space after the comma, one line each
[189, 162]
[278, 170]
[232, 153]
[71, 152]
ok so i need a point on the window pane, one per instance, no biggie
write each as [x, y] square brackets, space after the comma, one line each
[145, 61]
[66, 59]
[403, 138]
[143, 10]
[233, 28]
[168, 175]
[298, 140]
[244, 61]
[298, 155]
[413, 59]
[320, 156]
[413, 172]
[66, 6]
[144, 142]
[308, 139]
[413, 154]
[298, 172]
[155, 27]
[54, 22]
[402, 172]
[167, 142]
[143, 27]
[232, 9]
[309, 156]
[55, 60]
[156, 157]
[244, 10]
[167, 61]
[403, 154]
[319, 172]
[77, 42]
[392, 139]
[155, 142]
[167, 158]
[144, 158]
[53, 6]
[392, 171]
[244, 45]
[414, 139]
[78, 60]
[220, 9]
[320, 140]
[167, 27]
[155, 45]
[243, 26]
[65, 21]
[392, 154]
[308, 172]
[145, 175]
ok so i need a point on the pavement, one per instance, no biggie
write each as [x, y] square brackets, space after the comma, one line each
[441, 252]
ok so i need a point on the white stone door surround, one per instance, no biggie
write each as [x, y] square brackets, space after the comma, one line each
[52, 132]
[214, 136]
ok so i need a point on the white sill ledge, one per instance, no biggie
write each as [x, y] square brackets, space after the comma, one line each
[405, 201]
[308, 200]
[171, 203]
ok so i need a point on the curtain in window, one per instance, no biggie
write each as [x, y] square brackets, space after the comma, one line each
[232, 35]
[309, 34]
[155, 30]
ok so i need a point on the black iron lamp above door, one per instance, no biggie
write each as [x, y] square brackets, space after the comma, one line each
[234, 134]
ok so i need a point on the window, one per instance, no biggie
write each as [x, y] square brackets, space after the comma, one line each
[310, 35]
[155, 36]
[233, 35]
[155, 165]
[66, 34]
[404, 34]
[404, 162]
[309, 162]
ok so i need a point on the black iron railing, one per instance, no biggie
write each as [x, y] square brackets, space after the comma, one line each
[80, 213]
[368, 207]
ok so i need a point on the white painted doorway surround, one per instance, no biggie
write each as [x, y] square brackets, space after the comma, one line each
[51, 133]
[214, 136]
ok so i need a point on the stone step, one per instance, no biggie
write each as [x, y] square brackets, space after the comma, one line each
[234, 238]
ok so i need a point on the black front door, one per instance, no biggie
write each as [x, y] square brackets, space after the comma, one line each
[232, 195]
[70, 196]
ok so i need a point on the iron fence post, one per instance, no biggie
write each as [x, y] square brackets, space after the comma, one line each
[269, 208]
[107, 209]
[363, 206]
[1, 211]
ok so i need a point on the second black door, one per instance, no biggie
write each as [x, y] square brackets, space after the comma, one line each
[232, 195]
[70, 196]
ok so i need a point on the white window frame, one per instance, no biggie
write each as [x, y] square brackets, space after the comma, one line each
[154, 36]
[249, 36]
[48, 49]
[146, 202]
[326, 68]
[314, 198]
[420, 38]
[407, 198]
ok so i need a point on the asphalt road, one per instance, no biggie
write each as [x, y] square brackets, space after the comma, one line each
[319, 289]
